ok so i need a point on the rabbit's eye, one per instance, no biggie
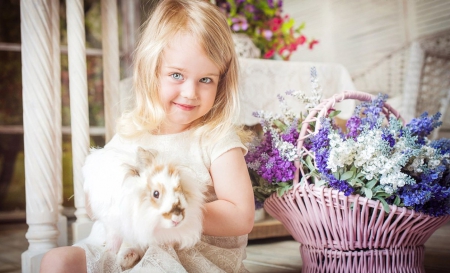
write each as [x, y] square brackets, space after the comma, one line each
[156, 194]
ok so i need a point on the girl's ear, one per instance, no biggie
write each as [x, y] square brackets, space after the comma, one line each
[145, 157]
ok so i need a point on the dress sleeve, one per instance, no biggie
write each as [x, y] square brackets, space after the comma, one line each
[228, 142]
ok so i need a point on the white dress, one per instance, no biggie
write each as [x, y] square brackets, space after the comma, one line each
[211, 254]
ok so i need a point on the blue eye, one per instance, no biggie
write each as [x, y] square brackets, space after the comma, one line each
[205, 80]
[177, 76]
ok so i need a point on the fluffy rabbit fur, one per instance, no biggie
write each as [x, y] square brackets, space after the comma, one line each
[141, 201]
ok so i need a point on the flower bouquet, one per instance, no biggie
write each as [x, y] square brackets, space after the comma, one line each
[364, 198]
[272, 32]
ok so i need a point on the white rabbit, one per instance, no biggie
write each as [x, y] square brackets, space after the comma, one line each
[141, 201]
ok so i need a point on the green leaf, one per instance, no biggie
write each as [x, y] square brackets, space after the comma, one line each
[359, 175]
[382, 194]
[336, 175]
[283, 188]
[334, 113]
[352, 182]
[358, 180]
[300, 27]
[347, 175]
[309, 163]
[384, 203]
[286, 26]
[368, 193]
[280, 125]
[371, 183]
[320, 182]
[397, 201]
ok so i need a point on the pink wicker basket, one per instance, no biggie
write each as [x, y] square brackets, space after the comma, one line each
[341, 233]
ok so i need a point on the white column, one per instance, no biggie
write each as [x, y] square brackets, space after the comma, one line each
[39, 126]
[79, 110]
[131, 21]
[62, 220]
[111, 67]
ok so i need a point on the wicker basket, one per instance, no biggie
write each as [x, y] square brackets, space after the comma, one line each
[341, 233]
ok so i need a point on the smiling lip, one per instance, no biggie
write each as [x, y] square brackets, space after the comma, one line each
[184, 107]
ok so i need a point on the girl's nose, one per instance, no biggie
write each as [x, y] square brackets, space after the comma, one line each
[188, 90]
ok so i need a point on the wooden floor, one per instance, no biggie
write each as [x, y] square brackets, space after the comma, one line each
[273, 255]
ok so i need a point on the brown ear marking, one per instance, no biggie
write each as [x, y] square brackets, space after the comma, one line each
[158, 168]
[145, 157]
[132, 171]
[179, 189]
[172, 170]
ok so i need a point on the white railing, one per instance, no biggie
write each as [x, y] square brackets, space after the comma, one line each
[42, 115]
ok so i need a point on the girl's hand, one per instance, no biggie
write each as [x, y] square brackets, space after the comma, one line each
[233, 213]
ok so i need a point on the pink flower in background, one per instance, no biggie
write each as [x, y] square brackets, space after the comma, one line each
[312, 43]
[269, 54]
[239, 23]
[284, 52]
[272, 31]
[275, 23]
[301, 40]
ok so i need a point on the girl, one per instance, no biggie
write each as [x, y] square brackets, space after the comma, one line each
[185, 82]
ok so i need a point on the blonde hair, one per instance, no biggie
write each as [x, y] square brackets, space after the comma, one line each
[209, 26]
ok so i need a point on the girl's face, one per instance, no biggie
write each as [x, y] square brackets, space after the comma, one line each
[188, 84]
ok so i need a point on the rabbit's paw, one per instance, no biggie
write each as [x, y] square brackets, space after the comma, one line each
[128, 258]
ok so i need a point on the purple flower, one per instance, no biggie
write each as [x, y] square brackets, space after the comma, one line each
[224, 6]
[353, 126]
[280, 3]
[291, 135]
[371, 111]
[250, 8]
[424, 125]
[388, 137]
[272, 166]
[239, 23]
[267, 33]
[443, 145]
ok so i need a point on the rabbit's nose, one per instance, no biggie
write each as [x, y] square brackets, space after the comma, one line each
[176, 219]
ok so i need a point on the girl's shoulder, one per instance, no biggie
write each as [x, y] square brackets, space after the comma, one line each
[230, 140]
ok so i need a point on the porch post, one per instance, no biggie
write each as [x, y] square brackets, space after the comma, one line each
[62, 220]
[39, 122]
[111, 66]
[79, 110]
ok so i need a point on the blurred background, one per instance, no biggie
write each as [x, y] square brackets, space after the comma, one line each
[386, 46]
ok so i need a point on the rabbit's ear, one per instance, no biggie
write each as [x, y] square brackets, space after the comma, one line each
[145, 157]
[132, 170]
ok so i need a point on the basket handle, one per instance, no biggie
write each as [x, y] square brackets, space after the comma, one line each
[321, 110]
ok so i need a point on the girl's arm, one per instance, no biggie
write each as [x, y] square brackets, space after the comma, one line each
[233, 213]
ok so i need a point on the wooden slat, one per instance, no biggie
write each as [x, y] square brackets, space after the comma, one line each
[268, 228]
